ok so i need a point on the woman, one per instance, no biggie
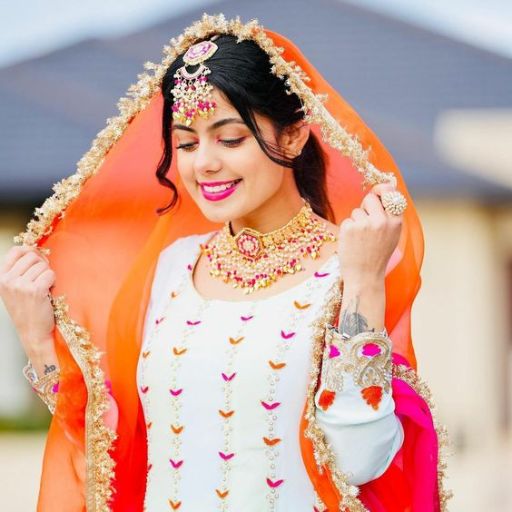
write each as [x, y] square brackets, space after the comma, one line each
[232, 353]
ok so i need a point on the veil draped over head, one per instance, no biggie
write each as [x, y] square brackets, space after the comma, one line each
[103, 237]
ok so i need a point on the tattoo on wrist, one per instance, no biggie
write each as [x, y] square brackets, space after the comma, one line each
[352, 322]
[49, 368]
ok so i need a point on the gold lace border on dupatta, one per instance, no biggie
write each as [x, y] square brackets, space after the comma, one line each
[99, 439]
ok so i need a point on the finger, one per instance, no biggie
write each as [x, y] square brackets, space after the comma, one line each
[23, 264]
[12, 256]
[373, 206]
[383, 187]
[34, 271]
[359, 214]
[46, 279]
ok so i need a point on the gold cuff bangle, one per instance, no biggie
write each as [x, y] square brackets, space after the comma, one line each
[45, 387]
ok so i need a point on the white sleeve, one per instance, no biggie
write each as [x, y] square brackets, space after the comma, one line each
[354, 404]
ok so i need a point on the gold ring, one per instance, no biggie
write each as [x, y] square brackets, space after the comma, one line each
[394, 202]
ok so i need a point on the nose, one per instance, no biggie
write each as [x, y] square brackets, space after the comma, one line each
[206, 160]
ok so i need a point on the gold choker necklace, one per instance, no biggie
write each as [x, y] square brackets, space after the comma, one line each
[254, 260]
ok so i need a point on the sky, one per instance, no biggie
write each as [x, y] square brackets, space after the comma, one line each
[30, 28]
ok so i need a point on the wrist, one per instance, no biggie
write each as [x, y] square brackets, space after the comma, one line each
[365, 283]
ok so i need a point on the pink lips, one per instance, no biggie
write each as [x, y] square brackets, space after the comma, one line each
[217, 196]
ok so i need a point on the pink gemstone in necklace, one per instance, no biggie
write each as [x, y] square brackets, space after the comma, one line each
[248, 245]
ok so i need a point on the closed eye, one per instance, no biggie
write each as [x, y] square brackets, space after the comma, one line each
[230, 143]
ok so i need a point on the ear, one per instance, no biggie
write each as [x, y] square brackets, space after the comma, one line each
[294, 137]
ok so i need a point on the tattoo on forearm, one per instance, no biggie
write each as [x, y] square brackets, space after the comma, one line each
[352, 322]
[49, 368]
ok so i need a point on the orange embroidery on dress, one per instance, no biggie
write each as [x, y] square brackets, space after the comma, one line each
[326, 399]
[146, 354]
[174, 295]
[271, 442]
[175, 504]
[177, 430]
[372, 395]
[178, 351]
[235, 341]
[276, 366]
[226, 414]
[298, 305]
[221, 494]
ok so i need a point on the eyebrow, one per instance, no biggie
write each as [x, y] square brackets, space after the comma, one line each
[214, 126]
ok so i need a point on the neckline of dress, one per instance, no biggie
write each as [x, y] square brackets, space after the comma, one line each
[276, 296]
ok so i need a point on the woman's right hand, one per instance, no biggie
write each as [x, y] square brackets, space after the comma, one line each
[25, 281]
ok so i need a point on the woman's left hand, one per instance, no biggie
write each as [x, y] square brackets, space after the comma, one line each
[368, 238]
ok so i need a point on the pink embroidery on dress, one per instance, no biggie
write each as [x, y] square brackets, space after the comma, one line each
[176, 392]
[55, 388]
[246, 318]
[333, 351]
[150, 466]
[144, 389]
[190, 322]
[226, 456]
[319, 274]
[371, 349]
[270, 406]
[176, 464]
[228, 378]
[288, 335]
[189, 266]
[159, 320]
[274, 483]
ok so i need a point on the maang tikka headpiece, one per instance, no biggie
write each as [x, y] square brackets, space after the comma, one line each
[192, 92]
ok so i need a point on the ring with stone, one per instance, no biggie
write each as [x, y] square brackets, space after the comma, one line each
[394, 202]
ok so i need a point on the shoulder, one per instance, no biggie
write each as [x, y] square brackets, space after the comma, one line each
[174, 257]
[182, 247]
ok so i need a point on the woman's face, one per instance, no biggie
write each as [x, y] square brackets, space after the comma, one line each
[223, 149]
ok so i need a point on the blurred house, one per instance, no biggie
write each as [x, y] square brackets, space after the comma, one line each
[443, 108]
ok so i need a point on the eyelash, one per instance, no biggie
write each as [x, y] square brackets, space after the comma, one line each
[230, 143]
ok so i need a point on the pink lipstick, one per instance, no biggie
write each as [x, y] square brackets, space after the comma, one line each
[217, 195]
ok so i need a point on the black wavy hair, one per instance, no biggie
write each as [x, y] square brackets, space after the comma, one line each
[241, 71]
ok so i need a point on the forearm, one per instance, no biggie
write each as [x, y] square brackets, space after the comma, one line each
[42, 355]
[363, 305]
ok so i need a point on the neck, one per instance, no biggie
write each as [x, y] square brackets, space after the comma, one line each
[271, 215]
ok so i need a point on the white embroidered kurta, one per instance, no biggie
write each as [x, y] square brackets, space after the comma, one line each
[223, 386]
